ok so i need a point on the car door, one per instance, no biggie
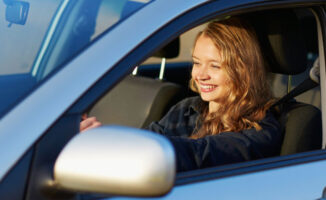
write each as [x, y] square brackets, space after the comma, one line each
[297, 176]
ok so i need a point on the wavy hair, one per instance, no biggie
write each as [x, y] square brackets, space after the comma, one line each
[249, 95]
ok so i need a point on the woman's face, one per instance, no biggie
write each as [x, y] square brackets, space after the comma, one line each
[210, 78]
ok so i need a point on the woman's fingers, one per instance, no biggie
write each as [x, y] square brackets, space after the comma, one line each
[84, 116]
[88, 123]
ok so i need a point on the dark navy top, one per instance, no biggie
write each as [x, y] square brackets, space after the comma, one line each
[227, 147]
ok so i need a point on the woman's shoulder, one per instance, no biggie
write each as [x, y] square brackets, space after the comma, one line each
[194, 102]
[190, 101]
[184, 109]
[178, 119]
[270, 123]
[269, 116]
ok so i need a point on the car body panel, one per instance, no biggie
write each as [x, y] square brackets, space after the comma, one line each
[294, 182]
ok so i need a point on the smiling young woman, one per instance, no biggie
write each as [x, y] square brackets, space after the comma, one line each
[229, 74]
[229, 121]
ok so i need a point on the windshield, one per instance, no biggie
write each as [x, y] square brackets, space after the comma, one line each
[38, 36]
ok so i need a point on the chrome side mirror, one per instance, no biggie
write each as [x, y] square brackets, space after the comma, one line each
[117, 160]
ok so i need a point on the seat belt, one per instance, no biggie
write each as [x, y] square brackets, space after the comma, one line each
[311, 82]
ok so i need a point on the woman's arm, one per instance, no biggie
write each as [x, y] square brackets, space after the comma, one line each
[228, 147]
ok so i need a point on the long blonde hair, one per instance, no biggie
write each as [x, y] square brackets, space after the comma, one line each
[249, 95]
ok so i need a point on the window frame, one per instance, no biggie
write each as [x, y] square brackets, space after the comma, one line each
[185, 22]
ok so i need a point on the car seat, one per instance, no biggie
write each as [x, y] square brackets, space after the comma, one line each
[137, 101]
[283, 47]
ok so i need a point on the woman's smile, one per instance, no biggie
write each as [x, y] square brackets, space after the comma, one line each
[207, 87]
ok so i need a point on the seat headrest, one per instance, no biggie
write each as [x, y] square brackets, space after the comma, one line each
[281, 40]
[171, 50]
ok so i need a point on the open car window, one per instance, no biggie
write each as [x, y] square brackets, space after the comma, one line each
[148, 94]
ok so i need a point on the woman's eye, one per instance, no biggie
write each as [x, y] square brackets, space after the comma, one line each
[195, 63]
[216, 66]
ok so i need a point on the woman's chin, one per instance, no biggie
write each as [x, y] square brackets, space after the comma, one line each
[206, 98]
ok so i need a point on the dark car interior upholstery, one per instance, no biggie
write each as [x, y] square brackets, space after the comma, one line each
[283, 44]
[137, 101]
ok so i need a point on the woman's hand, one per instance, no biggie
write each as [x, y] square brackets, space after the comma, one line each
[88, 123]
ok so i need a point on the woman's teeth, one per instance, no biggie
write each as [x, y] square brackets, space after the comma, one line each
[208, 86]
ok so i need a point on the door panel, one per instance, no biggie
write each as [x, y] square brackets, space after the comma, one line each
[305, 181]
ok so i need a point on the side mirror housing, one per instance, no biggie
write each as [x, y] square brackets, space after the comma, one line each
[17, 12]
[117, 160]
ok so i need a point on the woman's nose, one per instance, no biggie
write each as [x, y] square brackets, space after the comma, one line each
[202, 73]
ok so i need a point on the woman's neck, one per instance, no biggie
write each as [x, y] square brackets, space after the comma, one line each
[213, 106]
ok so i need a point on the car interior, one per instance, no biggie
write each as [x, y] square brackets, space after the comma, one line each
[288, 40]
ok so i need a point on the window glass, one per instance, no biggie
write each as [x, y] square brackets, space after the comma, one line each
[20, 43]
[37, 36]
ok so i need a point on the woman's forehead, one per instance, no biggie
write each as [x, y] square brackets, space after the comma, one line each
[205, 48]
